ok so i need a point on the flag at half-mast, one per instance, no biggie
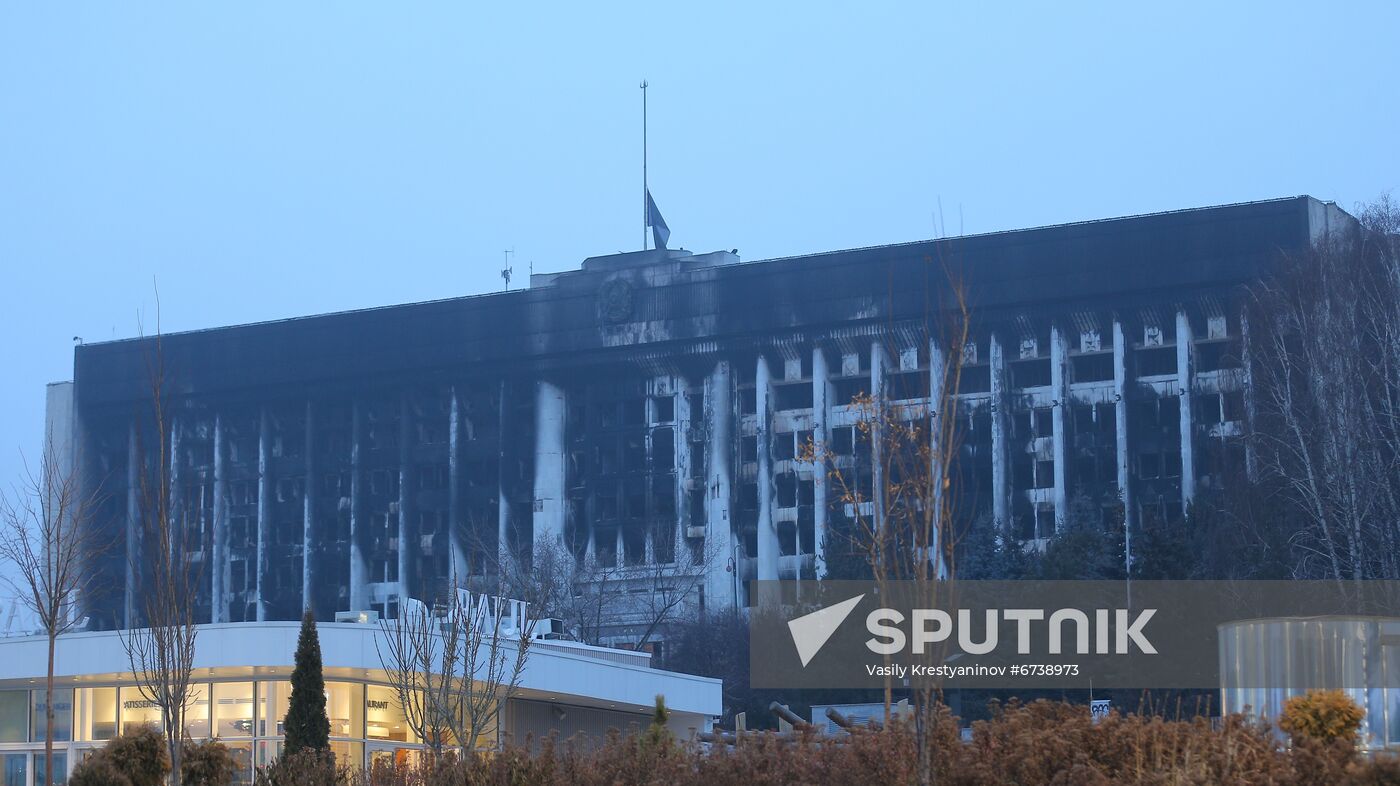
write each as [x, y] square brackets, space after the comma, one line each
[659, 231]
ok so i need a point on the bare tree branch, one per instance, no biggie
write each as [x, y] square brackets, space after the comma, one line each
[161, 651]
[47, 533]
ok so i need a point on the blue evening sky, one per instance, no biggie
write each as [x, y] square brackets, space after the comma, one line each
[265, 160]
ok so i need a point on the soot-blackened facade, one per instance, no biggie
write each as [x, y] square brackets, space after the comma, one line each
[650, 408]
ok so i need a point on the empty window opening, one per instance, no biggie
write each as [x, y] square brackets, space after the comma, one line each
[797, 395]
[1030, 373]
[664, 409]
[787, 538]
[907, 385]
[1156, 362]
[783, 446]
[663, 543]
[748, 401]
[786, 487]
[663, 449]
[1217, 355]
[634, 453]
[697, 507]
[842, 441]
[975, 379]
[1232, 404]
[634, 546]
[748, 449]
[1044, 421]
[605, 546]
[1092, 368]
[844, 391]
[748, 496]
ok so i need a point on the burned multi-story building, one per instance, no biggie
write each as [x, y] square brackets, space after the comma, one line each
[650, 408]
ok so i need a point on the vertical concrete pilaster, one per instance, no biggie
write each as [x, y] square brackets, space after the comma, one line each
[1121, 384]
[177, 520]
[681, 439]
[503, 554]
[458, 566]
[821, 394]
[309, 540]
[264, 512]
[938, 469]
[359, 571]
[721, 585]
[1185, 375]
[877, 432]
[549, 463]
[1251, 458]
[1059, 386]
[767, 530]
[133, 525]
[408, 540]
[218, 596]
[1001, 501]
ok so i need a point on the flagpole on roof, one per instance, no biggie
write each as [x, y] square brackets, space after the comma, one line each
[645, 193]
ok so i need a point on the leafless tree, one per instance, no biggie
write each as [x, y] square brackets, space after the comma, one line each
[161, 651]
[549, 578]
[46, 532]
[411, 650]
[669, 592]
[900, 517]
[454, 665]
[592, 596]
[1324, 359]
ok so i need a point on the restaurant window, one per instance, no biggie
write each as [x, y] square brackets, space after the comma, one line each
[99, 714]
[60, 768]
[398, 758]
[242, 753]
[233, 709]
[384, 717]
[272, 701]
[14, 716]
[345, 707]
[268, 751]
[62, 715]
[350, 754]
[137, 711]
[197, 711]
[17, 765]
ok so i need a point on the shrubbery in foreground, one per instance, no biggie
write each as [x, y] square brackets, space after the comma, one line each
[139, 758]
[1041, 743]
[1037, 744]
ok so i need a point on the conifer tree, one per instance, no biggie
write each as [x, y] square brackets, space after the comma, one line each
[306, 725]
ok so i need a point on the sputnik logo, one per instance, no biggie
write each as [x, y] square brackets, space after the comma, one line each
[810, 632]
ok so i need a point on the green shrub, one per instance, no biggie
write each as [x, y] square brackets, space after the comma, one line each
[97, 770]
[306, 767]
[306, 724]
[1322, 715]
[208, 763]
[657, 738]
[137, 758]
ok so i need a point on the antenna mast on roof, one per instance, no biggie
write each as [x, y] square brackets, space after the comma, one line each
[645, 212]
[508, 270]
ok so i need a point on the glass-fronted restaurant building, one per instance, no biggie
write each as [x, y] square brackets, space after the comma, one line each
[246, 715]
[567, 688]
